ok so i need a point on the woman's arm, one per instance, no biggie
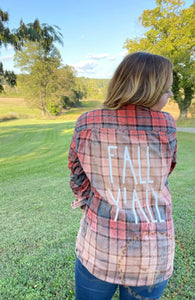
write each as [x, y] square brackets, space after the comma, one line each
[174, 159]
[173, 144]
[79, 181]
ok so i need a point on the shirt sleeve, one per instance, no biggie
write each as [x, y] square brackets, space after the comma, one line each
[174, 160]
[79, 181]
[174, 151]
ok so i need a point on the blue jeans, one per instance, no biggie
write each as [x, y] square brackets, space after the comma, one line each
[88, 287]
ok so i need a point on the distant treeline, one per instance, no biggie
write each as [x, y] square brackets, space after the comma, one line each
[95, 88]
[92, 88]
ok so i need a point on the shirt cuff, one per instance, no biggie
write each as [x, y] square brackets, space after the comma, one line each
[78, 203]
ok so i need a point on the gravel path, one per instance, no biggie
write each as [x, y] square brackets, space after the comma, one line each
[186, 129]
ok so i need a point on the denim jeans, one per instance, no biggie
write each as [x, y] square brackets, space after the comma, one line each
[88, 287]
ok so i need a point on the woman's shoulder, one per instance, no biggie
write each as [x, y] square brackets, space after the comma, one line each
[169, 121]
[92, 118]
[169, 118]
[89, 118]
[89, 114]
[159, 119]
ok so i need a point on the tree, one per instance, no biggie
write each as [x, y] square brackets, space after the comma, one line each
[41, 68]
[80, 89]
[44, 34]
[71, 87]
[95, 88]
[47, 84]
[172, 34]
[5, 38]
[6, 76]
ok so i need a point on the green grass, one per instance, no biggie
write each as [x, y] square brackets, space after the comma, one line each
[186, 123]
[38, 228]
[17, 107]
[73, 113]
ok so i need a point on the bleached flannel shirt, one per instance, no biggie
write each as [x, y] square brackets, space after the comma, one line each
[120, 161]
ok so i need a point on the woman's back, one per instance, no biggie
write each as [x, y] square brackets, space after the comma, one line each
[126, 234]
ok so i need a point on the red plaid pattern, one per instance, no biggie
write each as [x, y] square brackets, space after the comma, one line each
[120, 161]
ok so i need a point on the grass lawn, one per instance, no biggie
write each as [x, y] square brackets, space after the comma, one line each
[38, 228]
[17, 107]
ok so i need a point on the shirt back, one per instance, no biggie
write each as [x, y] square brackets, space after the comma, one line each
[120, 162]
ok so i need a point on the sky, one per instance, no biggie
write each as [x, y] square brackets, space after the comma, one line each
[94, 31]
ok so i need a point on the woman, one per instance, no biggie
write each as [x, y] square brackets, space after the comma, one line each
[120, 158]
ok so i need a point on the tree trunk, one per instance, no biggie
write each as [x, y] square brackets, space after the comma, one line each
[48, 113]
[183, 109]
[44, 104]
[42, 107]
[186, 102]
[183, 114]
[183, 100]
[43, 112]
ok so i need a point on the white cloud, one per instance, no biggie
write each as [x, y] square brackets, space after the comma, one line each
[6, 57]
[97, 56]
[99, 65]
[85, 66]
[116, 56]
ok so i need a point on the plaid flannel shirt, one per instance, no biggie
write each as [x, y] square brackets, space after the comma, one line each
[120, 161]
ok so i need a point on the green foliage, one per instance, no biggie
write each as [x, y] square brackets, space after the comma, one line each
[171, 32]
[71, 92]
[6, 37]
[66, 102]
[43, 34]
[48, 85]
[96, 88]
[41, 67]
[53, 108]
[43, 87]
[6, 77]
[80, 89]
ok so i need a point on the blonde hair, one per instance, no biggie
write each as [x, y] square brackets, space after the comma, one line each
[141, 79]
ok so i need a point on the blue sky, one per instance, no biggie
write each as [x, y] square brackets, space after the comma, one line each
[94, 31]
